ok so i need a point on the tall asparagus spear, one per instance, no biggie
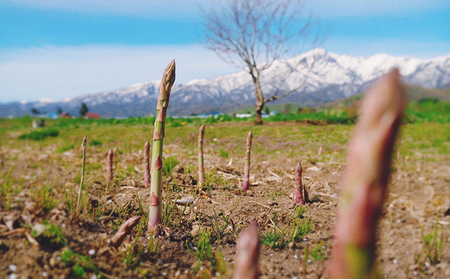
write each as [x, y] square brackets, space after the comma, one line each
[155, 212]
[201, 171]
[83, 164]
[110, 166]
[247, 253]
[246, 184]
[364, 182]
[147, 164]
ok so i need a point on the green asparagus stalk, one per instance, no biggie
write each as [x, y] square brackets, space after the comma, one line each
[247, 253]
[124, 230]
[83, 164]
[246, 184]
[201, 170]
[110, 166]
[364, 182]
[155, 212]
[147, 164]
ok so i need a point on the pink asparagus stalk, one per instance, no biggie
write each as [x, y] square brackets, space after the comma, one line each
[147, 164]
[124, 230]
[247, 254]
[364, 182]
[246, 184]
[301, 194]
[201, 170]
[110, 166]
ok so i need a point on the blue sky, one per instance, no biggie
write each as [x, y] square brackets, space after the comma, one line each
[58, 49]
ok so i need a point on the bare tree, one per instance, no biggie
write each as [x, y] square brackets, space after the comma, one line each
[254, 34]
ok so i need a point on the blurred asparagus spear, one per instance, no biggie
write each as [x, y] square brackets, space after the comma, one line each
[247, 254]
[364, 182]
[147, 164]
[83, 167]
[110, 166]
[124, 230]
[201, 170]
[155, 212]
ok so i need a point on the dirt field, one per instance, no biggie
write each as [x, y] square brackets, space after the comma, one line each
[40, 181]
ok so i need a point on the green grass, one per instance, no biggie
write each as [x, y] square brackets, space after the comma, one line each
[39, 135]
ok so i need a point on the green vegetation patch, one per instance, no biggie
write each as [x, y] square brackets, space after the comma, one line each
[40, 135]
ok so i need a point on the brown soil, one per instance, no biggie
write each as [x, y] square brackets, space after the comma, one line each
[419, 196]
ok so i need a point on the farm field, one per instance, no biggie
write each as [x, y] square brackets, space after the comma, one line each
[40, 181]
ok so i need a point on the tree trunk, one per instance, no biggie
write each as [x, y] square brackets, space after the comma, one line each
[259, 100]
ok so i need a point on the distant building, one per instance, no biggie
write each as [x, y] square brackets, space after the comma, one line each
[64, 115]
[92, 115]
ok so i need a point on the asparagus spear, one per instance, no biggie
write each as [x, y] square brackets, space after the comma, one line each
[246, 184]
[364, 183]
[110, 166]
[201, 171]
[247, 253]
[83, 164]
[299, 198]
[124, 230]
[155, 212]
[147, 164]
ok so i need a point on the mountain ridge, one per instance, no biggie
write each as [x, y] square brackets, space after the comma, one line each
[325, 76]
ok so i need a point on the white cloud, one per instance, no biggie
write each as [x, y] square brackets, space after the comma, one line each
[63, 72]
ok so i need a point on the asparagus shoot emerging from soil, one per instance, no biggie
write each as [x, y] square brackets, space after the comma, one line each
[110, 166]
[247, 253]
[301, 194]
[147, 164]
[124, 230]
[364, 182]
[155, 212]
[201, 170]
[246, 184]
[83, 164]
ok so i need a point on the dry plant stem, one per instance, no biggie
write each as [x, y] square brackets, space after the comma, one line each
[124, 230]
[247, 254]
[83, 164]
[155, 211]
[147, 164]
[364, 182]
[110, 166]
[246, 184]
[201, 170]
[299, 199]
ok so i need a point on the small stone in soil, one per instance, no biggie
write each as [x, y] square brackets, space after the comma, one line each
[44, 274]
[394, 261]
[12, 267]
[12, 276]
[91, 252]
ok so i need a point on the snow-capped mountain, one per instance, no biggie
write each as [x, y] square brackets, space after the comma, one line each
[317, 77]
